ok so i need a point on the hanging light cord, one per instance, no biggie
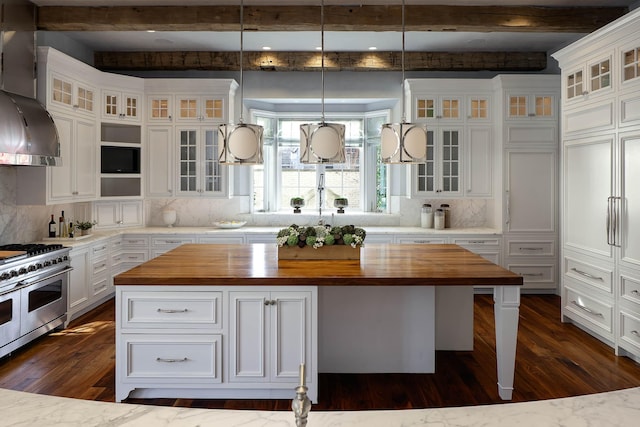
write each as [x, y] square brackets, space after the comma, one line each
[322, 52]
[241, 59]
[404, 117]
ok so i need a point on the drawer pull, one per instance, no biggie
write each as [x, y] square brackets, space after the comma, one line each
[585, 274]
[172, 241]
[270, 302]
[636, 333]
[531, 274]
[530, 249]
[170, 310]
[479, 242]
[133, 257]
[586, 309]
[162, 359]
[635, 292]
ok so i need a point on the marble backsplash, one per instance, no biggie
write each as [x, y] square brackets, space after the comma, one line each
[23, 224]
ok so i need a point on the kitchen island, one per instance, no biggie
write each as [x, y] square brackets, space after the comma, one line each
[227, 321]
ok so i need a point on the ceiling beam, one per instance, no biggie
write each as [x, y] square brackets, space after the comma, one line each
[337, 18]
[311, 61]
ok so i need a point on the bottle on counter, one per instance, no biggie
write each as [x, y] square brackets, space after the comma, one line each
[447, 214]
[52, 227]
[426, 216]
[62, 230]
[438, 219]
[70, 230]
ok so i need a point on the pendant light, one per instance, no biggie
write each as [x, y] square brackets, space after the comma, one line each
[403, 142]
[240, 144]
[322, 142]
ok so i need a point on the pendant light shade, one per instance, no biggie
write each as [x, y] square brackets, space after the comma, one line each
[403, 142]
[322, 142]
[240, 144]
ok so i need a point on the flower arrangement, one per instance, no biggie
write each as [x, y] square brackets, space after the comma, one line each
[321, 235]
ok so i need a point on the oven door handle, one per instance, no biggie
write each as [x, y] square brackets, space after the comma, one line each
[48, 277]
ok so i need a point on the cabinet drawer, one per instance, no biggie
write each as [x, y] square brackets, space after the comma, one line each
[135, 241]
[99, 266]
[531, 248]
[477, 242]
[535, 275]
[137, 257]
[630, 291]
[99, 250]
[158, 358]
[171, 241]
[224, 240]
[172, 310]
[593, 313]
[590, 274]
[421, 240]
[630, 332]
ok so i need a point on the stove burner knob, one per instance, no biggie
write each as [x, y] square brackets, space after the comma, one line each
[13, 273]
[54, 261]
[39, 265]
[22, 271]
[32, 268]
[5, 276]
[66, 258]
[60, 259]
[47, 263]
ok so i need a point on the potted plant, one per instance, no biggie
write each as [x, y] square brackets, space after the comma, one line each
[84, 226]
[296, 203]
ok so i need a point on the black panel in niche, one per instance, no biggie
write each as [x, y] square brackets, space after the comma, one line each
[119, 159]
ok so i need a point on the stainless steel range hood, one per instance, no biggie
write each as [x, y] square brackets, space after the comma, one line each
[28, 135]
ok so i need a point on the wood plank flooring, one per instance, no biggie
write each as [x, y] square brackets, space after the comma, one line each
[553, 360]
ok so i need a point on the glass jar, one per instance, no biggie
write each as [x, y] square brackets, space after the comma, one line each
[438, 219]
[447, 214]
[426, 216]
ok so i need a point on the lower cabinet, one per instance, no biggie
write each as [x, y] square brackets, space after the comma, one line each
[215, 342]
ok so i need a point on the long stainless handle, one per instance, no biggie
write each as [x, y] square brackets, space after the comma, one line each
[531, 274]
[169, 310]
[614, 214]
[609, 220]
[161, 359]
[524, 248]
[42, 279]
[508, 208]
[585, 274]
[586, 309]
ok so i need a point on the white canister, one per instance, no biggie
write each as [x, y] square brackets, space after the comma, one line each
[426, 216]
[438, 219]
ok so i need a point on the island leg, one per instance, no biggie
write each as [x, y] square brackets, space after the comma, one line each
[506, 309]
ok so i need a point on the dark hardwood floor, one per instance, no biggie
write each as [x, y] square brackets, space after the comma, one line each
[553, 360]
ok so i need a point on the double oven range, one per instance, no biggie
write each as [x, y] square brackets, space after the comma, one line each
[33, 292]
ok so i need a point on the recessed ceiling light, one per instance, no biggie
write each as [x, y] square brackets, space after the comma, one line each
[319, 48]
[266, 47]
[373, 48]
[151, 31]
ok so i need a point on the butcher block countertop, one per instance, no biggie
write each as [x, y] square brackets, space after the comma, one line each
[258, 264]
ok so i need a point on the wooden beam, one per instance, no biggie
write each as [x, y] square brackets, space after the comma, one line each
[337, 18]
[311, 61]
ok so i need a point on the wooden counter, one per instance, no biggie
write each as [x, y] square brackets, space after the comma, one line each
[237, 282]
[380, 265]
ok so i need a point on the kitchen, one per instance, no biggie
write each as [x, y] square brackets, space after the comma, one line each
[410, 207]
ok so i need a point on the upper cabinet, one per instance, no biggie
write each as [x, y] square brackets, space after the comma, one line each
[442, 108]
[531, 106]
[160, 108]
[122, 98]
[67, 93]
[193, 108]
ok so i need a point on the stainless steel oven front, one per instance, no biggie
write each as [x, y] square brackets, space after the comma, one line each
[43, 302]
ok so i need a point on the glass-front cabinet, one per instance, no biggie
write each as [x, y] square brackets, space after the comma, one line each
[440, 173]
[441, 108]
[199, 172]
[531, 106]
[199, 108]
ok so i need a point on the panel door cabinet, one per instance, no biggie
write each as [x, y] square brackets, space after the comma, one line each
[79, 279]
[160, 173]
[198, 171]
[214, 342]
[601, 153]
[118, 214]
[441, 173]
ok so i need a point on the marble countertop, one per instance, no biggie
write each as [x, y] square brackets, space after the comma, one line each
[414, 231]
[617, 408]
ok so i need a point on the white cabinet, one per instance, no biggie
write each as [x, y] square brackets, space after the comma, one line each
[73, 181]
[215, 342]
[121, 106]
[159, 108]
[199, 171]
[270, 336]
[160, 170]
[442, 108]
[478, 177]
[69, 94]
[118, 214]
[196, 108]
[531, 105]
[440, 174]
[600, 205]
[78, 295]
